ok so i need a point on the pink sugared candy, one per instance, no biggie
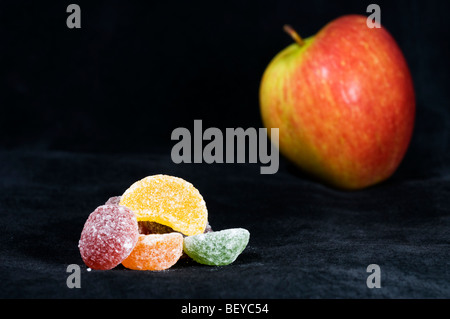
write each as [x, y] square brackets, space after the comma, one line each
[115, 200]
[108, 237]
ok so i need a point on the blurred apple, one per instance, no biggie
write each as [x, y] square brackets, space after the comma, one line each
[343, 101]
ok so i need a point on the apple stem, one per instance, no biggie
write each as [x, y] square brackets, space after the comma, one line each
[294, 35]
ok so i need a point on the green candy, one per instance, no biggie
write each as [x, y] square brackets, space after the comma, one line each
[218, 248]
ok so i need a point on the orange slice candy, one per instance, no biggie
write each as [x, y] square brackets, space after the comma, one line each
[155, 252]
[167, 200]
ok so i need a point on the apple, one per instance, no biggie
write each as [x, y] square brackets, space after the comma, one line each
[343, 101]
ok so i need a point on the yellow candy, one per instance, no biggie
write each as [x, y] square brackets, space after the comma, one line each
[167, 200]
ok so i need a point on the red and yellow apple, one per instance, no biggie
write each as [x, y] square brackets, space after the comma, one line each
[343, 101]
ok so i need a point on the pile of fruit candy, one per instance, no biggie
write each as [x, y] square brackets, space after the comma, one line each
[157, 221]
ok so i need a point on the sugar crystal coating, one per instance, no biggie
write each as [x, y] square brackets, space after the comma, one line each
[108, 237]
[208, 228]
[217, 248]
[147, 228]
[115, 200]
[155, 252]
[169, 201]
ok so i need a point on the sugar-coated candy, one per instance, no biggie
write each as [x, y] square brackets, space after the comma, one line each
[115, 200]
[109, 235]
[156, 222]
[155, 252]
[217, 248]
[167, 200]
[146, 228]
[208, 228]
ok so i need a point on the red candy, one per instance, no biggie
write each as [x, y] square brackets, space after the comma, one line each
[108, 237]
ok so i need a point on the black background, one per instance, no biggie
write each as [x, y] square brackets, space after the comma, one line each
[86, 112]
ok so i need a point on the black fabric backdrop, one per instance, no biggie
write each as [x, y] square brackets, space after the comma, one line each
[85, 113]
